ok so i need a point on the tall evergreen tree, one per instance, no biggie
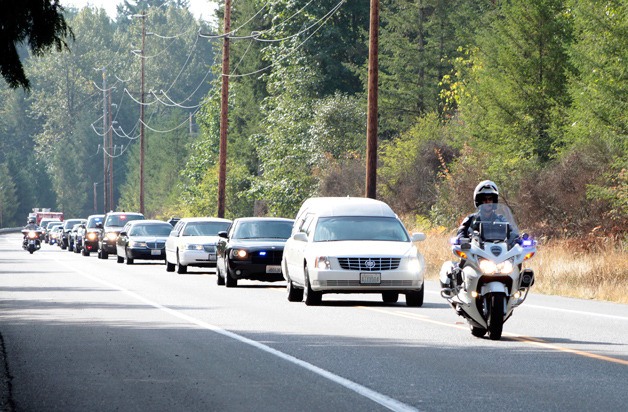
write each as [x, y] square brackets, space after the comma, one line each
[40, 24]
[599, 89]
[8, 199]
[65, 100]
[419, 41]
[599, 86]
[518, 85]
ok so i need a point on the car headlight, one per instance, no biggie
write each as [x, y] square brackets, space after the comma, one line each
[137, 244]
[193, 246]
[111, 236]
[239, 254]
[414, 263]
[323, 263]
[489, 268]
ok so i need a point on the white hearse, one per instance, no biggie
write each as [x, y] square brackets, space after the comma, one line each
[352, 245]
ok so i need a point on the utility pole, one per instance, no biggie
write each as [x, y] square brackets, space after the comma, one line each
[142, 137]
[104, 139]
[224, 111]
[371, 118]
[110, 156]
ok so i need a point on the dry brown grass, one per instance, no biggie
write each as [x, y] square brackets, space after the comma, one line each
[594, 268]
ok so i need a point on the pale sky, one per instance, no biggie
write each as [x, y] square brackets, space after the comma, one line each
[199, 8]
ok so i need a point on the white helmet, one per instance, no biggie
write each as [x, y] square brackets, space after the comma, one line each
[485, 188]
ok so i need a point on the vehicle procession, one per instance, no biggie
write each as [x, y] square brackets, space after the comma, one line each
[334, 245]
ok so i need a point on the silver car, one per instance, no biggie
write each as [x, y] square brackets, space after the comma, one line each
[192, 242]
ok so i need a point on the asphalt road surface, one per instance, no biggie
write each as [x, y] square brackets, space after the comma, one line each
[84, 334]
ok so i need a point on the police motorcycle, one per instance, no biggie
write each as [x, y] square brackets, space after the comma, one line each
[31, 241]
[490, 281]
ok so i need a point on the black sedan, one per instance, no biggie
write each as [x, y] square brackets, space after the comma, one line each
[91, 231]
[143, 239]
[252, 248]
[113, 222]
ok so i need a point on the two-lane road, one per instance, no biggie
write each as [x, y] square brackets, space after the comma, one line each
[86, 334]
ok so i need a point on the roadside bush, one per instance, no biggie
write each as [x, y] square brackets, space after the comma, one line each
[341, 177]
[557, 200]
[411, 165]
[454, 190]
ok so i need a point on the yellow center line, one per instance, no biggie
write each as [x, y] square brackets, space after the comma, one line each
[543, 344]
[524, 339]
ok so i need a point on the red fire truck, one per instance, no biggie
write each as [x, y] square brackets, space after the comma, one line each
[40, 214]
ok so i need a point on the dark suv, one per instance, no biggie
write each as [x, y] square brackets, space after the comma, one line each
[89, 234]
[111, 227]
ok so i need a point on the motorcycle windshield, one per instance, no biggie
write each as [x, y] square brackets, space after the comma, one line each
[496, 222]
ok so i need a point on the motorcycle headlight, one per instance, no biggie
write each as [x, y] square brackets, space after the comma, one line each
[32, 234]
[487, 267]
[490, 268]
[505, 267]
[91, 236]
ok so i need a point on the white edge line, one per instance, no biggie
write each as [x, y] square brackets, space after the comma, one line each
[579, 312]
[377, 397]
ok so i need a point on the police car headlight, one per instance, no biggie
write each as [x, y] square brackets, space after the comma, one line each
[239, 254]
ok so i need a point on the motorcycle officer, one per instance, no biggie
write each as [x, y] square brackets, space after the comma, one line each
[485, 193]
[30, 225]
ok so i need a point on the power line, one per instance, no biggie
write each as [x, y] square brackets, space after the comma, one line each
[173, 104]
[254, 36]
[231, 32]
[324, 20]
[184, 64]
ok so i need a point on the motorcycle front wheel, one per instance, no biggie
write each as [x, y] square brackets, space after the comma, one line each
[495, 315]
[477, 332]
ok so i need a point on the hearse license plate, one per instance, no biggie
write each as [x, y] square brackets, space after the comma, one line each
[273, 269]
[155, 252]
[370, 278]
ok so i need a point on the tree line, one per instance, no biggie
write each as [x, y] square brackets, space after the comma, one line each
[531, 95]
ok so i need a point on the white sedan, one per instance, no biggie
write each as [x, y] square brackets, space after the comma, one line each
[351, 245]
[192, 242]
